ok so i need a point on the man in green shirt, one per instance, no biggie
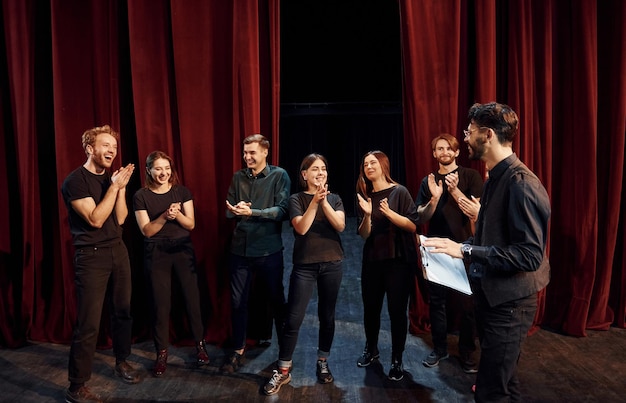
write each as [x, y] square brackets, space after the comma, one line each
[258, 198]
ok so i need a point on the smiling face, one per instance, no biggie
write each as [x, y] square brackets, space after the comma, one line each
[255, 156]
[316, 175]
[444, 154]
[161, 172]
[103, 151]
[476, 141]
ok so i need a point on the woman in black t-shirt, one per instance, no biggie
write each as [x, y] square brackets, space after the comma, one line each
[165, 215]
[387, 222]
[317, 217]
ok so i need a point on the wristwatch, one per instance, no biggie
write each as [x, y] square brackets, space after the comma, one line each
[466, 249]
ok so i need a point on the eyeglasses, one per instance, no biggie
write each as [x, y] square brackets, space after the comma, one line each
[468, 133]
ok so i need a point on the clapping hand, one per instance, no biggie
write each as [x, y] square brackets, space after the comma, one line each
[384, 207]
[436, 189]
[469, 207]
[172, 211]
[366, 205]
[240, 209]
[121, 176]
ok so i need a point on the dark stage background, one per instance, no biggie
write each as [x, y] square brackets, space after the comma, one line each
[194, 77]
[341, 88]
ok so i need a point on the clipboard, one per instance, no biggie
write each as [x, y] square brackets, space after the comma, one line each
[444, 270]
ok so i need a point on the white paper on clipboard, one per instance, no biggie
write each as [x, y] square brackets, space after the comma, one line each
[443, 269]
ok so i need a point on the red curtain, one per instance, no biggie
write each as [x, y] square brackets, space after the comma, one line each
[194, 78]
[190, 78]
[562, 66]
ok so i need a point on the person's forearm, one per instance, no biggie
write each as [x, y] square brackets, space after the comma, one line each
[336, 218]
[121, 209]
[426, 211]
[365, 228]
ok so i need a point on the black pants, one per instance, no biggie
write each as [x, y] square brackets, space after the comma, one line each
[269, 274]
[327, 276]
[501, 330]
[100, 272]
[438, 296]
[160, 258]
[395, 279]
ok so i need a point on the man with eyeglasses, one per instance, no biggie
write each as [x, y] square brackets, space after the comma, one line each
[439, 203]
[508, 264]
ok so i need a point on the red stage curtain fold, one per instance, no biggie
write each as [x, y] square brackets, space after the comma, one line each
[19, 280]
[560, 65]
[194, 78]
[431, 73]
[190, 78]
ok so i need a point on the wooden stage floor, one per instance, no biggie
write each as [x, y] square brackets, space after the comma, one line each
[553, 367]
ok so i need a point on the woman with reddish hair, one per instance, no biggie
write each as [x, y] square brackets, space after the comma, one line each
[387, 221]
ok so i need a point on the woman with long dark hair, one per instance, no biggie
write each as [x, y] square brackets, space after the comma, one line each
[387, 221]
[317, 217]
[165, 215]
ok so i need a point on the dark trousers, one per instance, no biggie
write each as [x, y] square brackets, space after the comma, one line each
[438, 296]
[269, 274]
[395, 279]
[303, 279]
[160, 258]
[501, 330]
[100, 273]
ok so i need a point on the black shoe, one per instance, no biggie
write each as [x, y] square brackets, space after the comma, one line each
[81, 395]
[323, 372]
[127, 373]
[366, 358]
[396, 372]
[433, 359]
[468, 364]
[233, 363]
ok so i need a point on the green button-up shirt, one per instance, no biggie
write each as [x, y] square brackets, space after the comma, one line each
[259, 234]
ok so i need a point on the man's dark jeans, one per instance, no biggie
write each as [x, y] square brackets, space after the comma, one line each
[501, 330]
[269, 273]
[100, 272]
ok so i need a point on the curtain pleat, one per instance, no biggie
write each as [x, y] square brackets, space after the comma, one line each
[24, 260]
[560, 65]
[194, 78]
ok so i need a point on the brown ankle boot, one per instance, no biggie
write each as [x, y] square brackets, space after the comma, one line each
[201, 354]
[160, 365]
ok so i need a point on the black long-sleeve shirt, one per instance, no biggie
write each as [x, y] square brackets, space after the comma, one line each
[508, 253]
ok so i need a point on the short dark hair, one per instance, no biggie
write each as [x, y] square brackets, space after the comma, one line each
[257, 138]
[499, 117]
